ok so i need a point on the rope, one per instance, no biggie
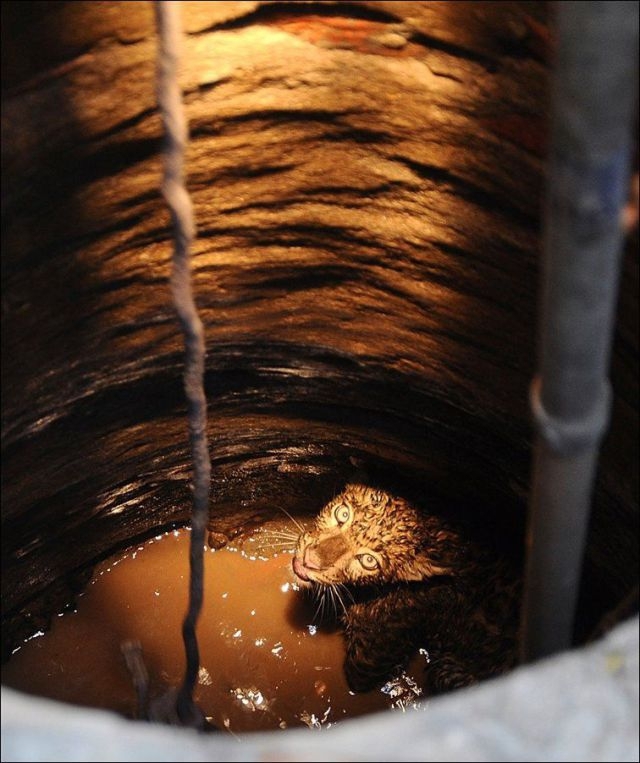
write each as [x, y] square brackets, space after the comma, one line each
[179, 203]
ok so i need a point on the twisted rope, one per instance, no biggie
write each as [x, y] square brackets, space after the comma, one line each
[179, 203]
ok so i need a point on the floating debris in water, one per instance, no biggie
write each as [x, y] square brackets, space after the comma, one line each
[320, 687]
[313, 722]
[204, 677]
[252, 699]
[227, 724]
[310, 720]
[404, 691]
[37, 634]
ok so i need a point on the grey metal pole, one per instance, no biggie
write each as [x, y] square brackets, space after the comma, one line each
[593, 99]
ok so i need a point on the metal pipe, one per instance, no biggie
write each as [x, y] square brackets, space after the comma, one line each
[594, 94]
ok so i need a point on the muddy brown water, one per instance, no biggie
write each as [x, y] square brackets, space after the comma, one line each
[266, 660]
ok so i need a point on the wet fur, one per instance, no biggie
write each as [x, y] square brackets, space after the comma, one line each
[432, 587]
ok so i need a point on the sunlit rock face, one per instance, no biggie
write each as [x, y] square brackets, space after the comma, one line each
[366, 181]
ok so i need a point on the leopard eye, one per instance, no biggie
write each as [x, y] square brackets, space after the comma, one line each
[342, 514]
[368, 561]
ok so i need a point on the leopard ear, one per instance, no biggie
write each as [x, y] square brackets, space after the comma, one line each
[423, 567]
[358, 474]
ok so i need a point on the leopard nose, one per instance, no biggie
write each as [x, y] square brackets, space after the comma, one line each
[311, 559]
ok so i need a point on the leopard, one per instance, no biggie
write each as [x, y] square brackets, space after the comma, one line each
[404, 580]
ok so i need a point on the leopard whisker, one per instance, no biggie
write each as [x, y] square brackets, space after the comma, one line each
[316, 592]
[284, 539]
[336, 591]
[274, 546]
[327, 602]
[318, 613]
[337, 598]
[293, 519]
[277, 542]
[347, 591]
[280, 534]
[332, 599]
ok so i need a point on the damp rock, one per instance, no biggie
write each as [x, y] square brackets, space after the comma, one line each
[217, 540]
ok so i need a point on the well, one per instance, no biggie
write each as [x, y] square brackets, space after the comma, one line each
[367, 181]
